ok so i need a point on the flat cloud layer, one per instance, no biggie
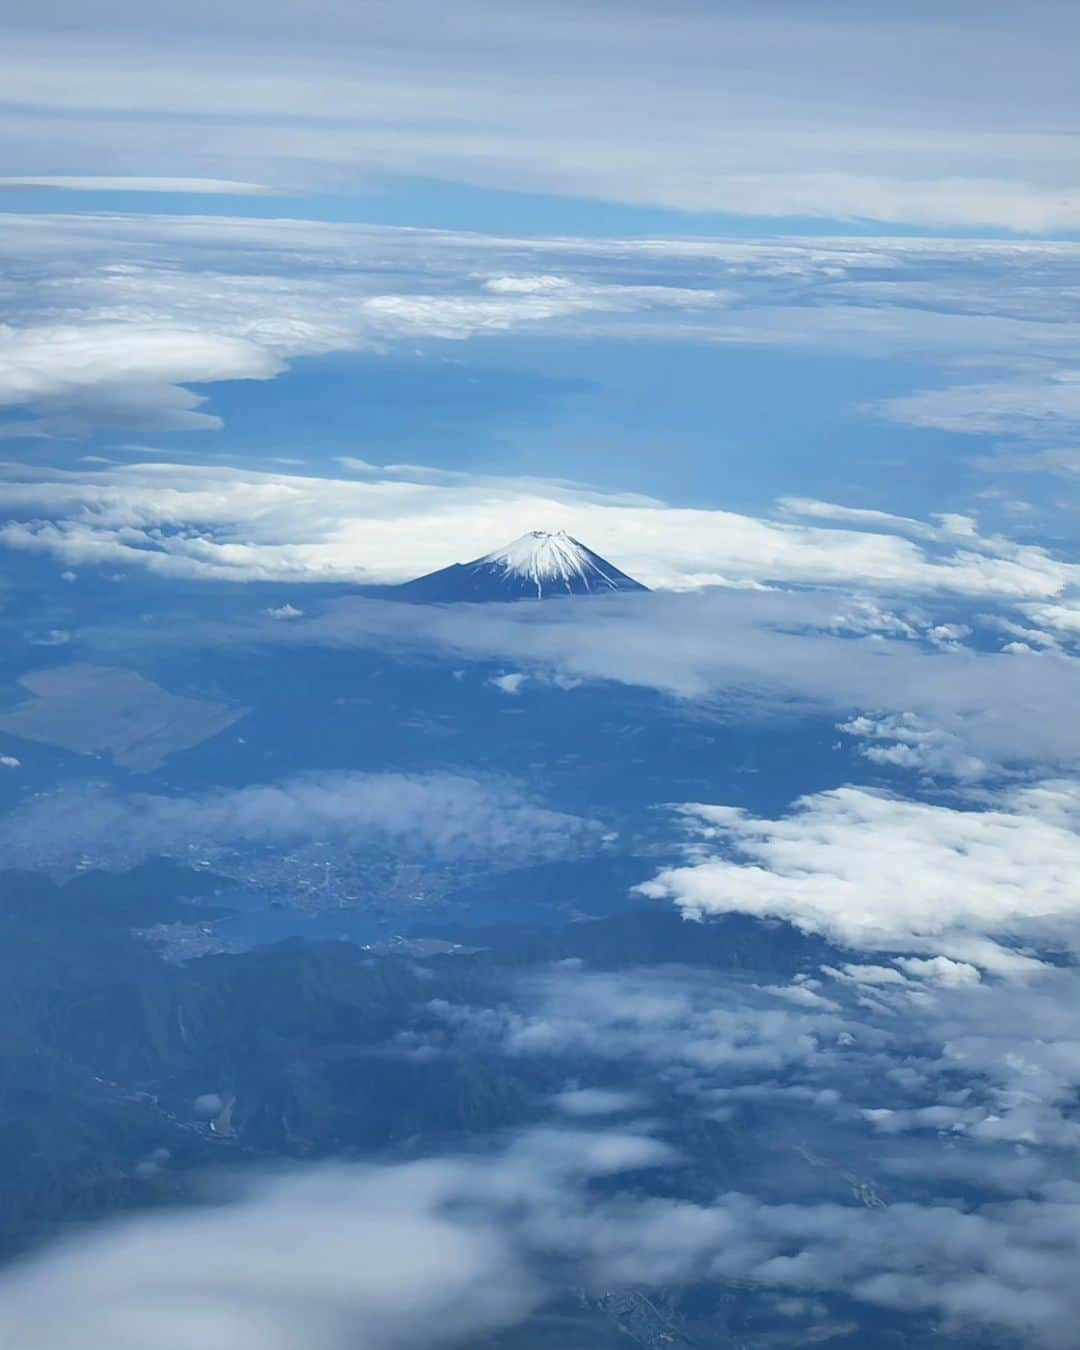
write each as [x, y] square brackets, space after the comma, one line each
[387, 525]
[841, 112]
[445, 816]
[313, 1262]
[109, 316]
[939, 708]
[89, 183]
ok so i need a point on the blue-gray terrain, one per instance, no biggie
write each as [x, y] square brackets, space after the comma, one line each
[285, 897]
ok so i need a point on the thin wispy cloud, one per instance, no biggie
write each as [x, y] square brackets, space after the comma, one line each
[110, 317]
[841, 113]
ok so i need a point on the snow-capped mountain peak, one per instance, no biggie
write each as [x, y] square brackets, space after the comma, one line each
[540, 565]
[553, 560]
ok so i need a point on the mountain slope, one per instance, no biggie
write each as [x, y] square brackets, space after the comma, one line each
[538, 566]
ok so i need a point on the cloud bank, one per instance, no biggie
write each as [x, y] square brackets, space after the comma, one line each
[442, 816]
[443, 1251]
[386, 525]
[878, 873]
[954, 711]
[160, 301]
[762, 113]
[419, 1255]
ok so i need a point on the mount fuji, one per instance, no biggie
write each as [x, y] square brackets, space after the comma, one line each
[538, 566]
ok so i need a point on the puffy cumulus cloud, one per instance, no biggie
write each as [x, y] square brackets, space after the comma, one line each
[510, 683]
[880, 873]
[1018, 1060]
[921, 1076]
[1005, 1266]
[910, 743]
[761, 112]
[675, 1022]
[1056, 623]
[387, 525]
[917, 1046]
[442, 816]
[940, 970]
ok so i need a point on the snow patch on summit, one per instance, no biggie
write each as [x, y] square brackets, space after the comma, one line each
[548, 559]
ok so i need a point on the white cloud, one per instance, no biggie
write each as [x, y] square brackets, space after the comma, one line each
[449, 1249]
[762, 112]
[242, 524]
[119, 374]
[100, 183]
[674, 1022]
[509, 684]
[940, 970]
[417, 1255]
[911, 743]
[159, 301]
[879, 873]
[447, 817]
[1064, 463]
[588, 1102]
[109, 316]
[1044, 406]
[965, 1081]
[10, 762]
[762, 652]
[208, 1104]
[452, 1247]
[1063, 619]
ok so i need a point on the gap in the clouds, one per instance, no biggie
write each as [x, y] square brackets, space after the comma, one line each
[699, 424]
[427, 203]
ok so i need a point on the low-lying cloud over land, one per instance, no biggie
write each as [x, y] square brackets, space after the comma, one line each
[879, 873]
[444, 816]
[935, 707]
[443, 1250]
